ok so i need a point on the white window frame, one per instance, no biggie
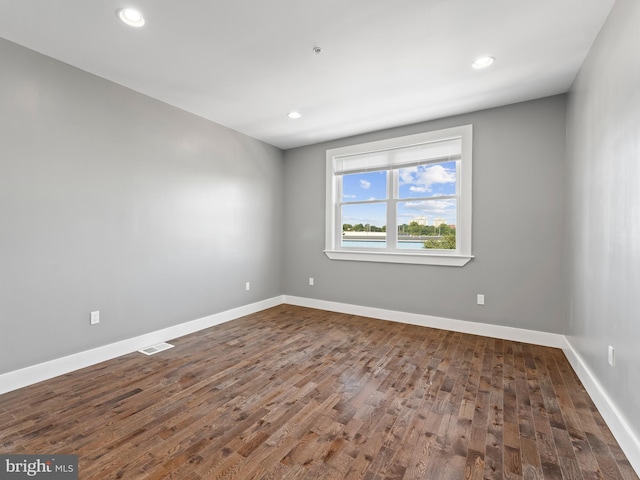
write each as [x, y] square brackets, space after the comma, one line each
[333, 232]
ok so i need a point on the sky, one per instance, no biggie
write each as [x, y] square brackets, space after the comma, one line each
[419, 189]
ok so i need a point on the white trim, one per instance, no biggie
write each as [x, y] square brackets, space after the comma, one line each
[333, 220]
[398, 142]
[400, 257]
[484, 329]
[59, 366]
[615, 420]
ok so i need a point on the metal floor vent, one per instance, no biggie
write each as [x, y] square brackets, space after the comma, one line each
[156, 348]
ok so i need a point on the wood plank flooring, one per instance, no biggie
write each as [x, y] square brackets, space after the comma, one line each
[296, 393]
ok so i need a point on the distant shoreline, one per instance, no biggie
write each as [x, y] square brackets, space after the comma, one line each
[378, 236]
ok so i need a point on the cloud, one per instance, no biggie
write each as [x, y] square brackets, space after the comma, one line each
[349, 196]
[365, 184]
[431, 207]
[422, 178]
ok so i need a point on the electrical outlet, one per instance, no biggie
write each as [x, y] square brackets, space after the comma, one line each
[95, 318]
[247, 286]
[612, 356]
[311, 281]
[480, 299]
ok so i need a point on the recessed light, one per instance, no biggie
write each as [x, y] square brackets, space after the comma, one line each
[130, 16]
[294, 115]
[483, 62]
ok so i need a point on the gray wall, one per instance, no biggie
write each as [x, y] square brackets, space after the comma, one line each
[115, 202]
[518, 223]
[603, 213]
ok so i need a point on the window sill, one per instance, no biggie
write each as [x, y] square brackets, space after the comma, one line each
[400, 257]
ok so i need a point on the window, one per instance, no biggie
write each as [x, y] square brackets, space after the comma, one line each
[401, 200]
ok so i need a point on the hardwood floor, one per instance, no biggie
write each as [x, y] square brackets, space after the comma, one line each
[292, 393]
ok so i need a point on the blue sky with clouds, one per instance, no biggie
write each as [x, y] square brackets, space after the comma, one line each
[420, 186]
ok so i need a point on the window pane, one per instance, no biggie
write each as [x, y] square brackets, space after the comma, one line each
[427, 224]
[364, 186]
[363, 225]
[431, 180]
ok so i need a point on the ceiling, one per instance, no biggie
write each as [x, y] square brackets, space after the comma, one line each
[246, 63]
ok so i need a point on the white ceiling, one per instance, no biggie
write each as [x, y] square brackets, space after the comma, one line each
[246, 63]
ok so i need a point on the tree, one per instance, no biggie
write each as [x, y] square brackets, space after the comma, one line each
[414, 228]
[347, 227]
[446, 242]
[445, 229]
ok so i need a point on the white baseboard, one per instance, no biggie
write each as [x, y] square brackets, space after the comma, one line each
[622, 431]
[484, 329]
[44, 371]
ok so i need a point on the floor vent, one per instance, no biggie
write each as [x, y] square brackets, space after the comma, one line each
[156, 348]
